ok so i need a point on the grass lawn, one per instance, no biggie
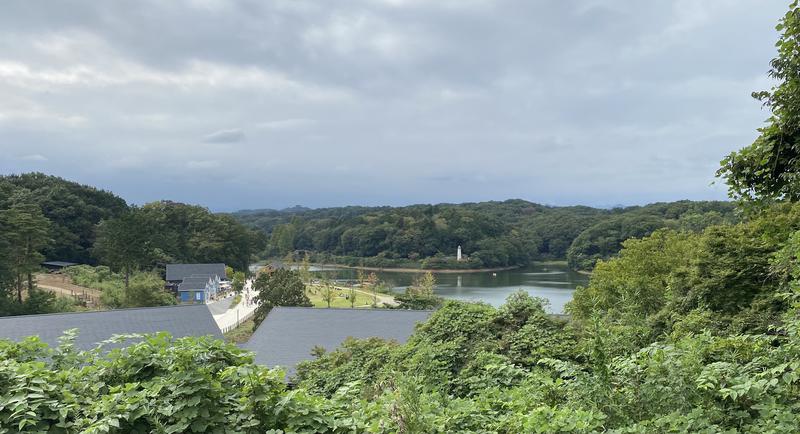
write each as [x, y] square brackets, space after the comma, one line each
[315, 294]
[242, 333]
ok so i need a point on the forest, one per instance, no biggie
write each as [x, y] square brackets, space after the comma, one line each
[491, 234]
[44, 217]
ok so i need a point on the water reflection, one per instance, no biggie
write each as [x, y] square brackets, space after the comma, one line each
[554, 282]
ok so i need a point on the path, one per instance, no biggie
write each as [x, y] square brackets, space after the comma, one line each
[382, 298]
[63, 286]
[228, 318]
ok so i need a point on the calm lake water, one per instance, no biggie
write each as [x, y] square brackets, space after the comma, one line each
[554, 282]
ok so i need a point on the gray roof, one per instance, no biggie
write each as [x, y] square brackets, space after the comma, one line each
[193, 283]
[61, 264]
[178, 272]
[288, 334]
[94, 327]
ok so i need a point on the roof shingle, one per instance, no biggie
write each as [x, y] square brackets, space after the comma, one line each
[178, 272]
[94, 327]
[288, 334]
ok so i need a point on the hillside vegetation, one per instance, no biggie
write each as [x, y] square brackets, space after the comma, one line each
[48, 218]
[491, 234]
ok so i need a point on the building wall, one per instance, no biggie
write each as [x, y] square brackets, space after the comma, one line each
[192, 296]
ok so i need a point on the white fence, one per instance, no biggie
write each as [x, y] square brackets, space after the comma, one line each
[240, 318]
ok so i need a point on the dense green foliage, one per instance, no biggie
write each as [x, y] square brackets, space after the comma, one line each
[281, 287]
[768, 169]
[72, 209]
[144, 288]
[470, 368]
[165, 232]
[420, 295]
[604, 239]
[474, 368]
[24, 233]
[727, 277]
[492, 234]
[160, 385]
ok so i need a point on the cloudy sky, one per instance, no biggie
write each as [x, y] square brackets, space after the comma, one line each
[265, 104]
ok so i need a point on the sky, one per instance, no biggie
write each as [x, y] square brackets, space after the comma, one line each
[244, 104]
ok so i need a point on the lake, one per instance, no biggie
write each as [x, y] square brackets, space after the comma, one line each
[552, 281]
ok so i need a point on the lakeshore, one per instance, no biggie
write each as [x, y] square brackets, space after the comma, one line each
[551, 280]
[419, 270]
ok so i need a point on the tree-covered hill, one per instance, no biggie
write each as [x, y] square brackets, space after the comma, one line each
[72, 209]
[491, 234]
[46, 217]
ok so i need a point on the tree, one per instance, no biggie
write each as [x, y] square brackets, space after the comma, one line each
[279, 287]
[372, 284]
[305, 270]
[328, 292]
[351, 296]
[73, 210]
[124, 242]
[423, 286]
[769, 169]
[26, 233]
[238, 281]
[638, 281]
[420, 295]
[147, 289]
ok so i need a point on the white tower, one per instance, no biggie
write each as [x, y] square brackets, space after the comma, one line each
[458, 254]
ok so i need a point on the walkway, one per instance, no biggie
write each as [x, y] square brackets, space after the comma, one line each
[382, 298]
[228, 318]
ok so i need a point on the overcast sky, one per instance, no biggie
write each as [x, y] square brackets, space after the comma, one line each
[267, 104]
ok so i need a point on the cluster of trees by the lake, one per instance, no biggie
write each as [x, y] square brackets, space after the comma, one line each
[491, 234]
[45, 217]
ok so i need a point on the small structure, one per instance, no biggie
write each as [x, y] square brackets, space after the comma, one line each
[288, 334]
[198, 289]
[95, 327]
[458, 254]
[176, 273]
[57, 265]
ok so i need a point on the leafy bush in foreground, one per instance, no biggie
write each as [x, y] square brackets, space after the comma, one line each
[161, 385]
[471, 368]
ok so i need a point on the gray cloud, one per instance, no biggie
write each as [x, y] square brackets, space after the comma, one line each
[33, 157]
[225, 136]
[383, 101]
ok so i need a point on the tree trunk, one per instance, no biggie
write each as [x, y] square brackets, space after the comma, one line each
[19, 288]
[30, 283]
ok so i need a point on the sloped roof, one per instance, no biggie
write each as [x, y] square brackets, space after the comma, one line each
[178, 272]
[193, 283]
[94, 327]
[60, 264]
[288, 334]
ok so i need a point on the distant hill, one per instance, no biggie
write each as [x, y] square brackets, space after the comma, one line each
[492, 234]
[72, 208]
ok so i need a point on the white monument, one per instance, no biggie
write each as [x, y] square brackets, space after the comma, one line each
[458, 254]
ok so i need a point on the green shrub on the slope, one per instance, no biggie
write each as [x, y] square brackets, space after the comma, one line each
[458, 373]
[160, 385]
[464, 381]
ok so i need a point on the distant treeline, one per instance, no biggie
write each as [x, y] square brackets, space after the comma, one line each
[491, 234]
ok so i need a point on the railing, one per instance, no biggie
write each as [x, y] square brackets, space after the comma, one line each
[240, 319]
